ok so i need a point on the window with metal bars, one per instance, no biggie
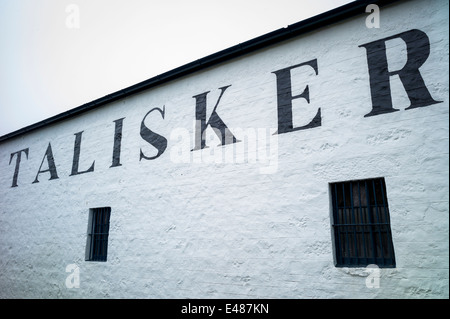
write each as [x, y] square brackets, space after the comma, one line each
[361, 224]
[98, 232]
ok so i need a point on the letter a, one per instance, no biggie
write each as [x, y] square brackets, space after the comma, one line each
[73, 280]
[51, 165]
[373, 19]
[73, 19]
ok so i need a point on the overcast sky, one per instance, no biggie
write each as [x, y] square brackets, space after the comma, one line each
[59, 54]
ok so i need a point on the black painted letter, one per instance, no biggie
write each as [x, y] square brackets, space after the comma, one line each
[51, 165]
[16, 169]
[418, 50]
[76, 156]
[117, 143]
[285, 97]
[158, 141]
[220, 128]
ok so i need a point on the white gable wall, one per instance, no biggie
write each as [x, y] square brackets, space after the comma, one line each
[199, 229]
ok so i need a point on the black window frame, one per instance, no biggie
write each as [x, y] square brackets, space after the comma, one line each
[361, 227]
[98, 234]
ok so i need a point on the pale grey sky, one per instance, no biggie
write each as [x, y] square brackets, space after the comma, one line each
[52, 62]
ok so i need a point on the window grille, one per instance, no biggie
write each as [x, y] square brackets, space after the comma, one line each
[98, 231]
[361, 224]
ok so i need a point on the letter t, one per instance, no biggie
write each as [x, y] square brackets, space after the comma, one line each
[16, 170]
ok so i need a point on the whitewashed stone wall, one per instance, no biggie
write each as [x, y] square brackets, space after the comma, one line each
[201, 227]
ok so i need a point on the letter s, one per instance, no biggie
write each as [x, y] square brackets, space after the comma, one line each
[158, 141]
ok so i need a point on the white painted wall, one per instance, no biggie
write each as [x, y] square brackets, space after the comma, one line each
[241, 230]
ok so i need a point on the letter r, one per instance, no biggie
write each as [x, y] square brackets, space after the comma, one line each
[418, 50]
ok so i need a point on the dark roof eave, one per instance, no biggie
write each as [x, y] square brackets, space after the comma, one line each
[308, 25]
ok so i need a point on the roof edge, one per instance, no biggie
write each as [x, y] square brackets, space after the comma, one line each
[324, 19]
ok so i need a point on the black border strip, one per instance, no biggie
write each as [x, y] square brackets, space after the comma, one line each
[291, 31]
[172, 308]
